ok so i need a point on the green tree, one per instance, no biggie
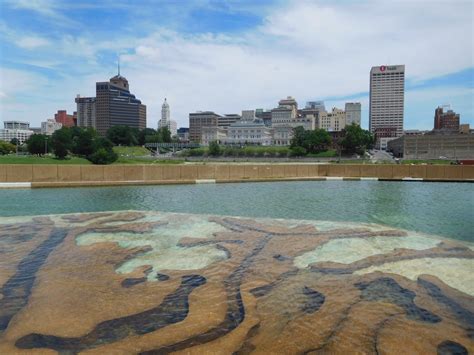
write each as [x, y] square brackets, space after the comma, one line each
[312, 141]
[123, 135]
[83, 141]
[317, 141]
[6, 148]
[356, 139]
[142, 135]
[297, 151]
[102, 157]
[214, 148]
[103, 152]
[37, 144]
[299, 137]
[61, 142]
[15, 141]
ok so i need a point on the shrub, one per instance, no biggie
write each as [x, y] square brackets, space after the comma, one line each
[6, 148]
[297, 151]
[103, 156]
[214, 148]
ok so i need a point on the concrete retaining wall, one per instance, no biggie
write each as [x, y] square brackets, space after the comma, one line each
[75, 175]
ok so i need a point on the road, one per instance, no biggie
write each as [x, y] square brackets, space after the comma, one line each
[381, 156]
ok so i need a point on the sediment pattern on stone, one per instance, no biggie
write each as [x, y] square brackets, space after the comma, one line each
[157, 283]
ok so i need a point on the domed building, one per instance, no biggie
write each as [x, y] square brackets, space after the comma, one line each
[166, 121]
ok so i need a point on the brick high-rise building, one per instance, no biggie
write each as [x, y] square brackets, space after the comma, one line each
[66, 120]
[448, 120]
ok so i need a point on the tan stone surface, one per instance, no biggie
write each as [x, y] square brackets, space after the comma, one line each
[385, 171]
[222, 172]
[45, 172]
[69, 173]
[401, 171]
[278, 171]
[291, 170]
[454, 172]
[352, 171]
[251, 171]
[153, 172]
[171, 172]
[336, 170]
[133, 172]
[206, 172]
[114, 173]
[418, 171]
[468, 172]
[313, 170]
[19, 173]
[92, 173]
[189, 172]
[302, 170]
[3, 173]
[368, 170]
[435, 172]
[236, 172]
[265, 171]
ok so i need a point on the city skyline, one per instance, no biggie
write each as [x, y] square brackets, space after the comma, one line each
[227, 57]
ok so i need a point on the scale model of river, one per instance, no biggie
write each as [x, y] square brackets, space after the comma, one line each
[144, 282]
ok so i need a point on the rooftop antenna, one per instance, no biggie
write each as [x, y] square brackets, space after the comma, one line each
[118, 64]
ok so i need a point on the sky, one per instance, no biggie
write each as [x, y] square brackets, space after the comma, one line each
[229, 55]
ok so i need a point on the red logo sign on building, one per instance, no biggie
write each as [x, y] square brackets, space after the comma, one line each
[383, 67]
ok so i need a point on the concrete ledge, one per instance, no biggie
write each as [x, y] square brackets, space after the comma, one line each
[110, 183]
[206, 181]
[15, 185]
[210, 181]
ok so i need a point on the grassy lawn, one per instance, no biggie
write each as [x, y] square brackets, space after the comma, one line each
[125, 160]
[327, 154]
[432, 161]
[132, 151]
[13, 159]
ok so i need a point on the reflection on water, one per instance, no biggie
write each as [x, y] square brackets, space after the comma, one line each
[149, 282]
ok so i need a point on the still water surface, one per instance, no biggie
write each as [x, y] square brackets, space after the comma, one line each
[444, 209]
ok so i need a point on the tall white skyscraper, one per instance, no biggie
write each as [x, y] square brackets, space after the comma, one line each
[166, 121]
[353, 112]
[387, 93]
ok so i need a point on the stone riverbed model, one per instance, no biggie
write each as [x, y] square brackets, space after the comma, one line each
[158, 283]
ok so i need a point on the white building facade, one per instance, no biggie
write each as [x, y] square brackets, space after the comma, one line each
[213, 134]
[353, 113]
[19, 130]
[50, 126]
[248, 130]
[166, 120]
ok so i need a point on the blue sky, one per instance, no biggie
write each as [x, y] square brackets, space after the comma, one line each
[232, 55]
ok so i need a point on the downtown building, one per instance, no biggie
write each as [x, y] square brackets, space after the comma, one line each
[113, 105]
[387, 98]
[448, 121]
[19, 130]
[166, 120]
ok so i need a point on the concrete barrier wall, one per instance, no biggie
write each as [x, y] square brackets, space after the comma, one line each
[224, 172]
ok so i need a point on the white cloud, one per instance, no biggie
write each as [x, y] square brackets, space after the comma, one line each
[306, 49]
[31, 42]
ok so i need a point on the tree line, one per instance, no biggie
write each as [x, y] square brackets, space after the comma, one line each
[86, 142]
